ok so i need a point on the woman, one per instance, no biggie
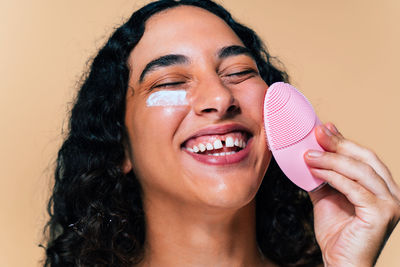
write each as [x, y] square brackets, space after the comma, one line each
[137, 182]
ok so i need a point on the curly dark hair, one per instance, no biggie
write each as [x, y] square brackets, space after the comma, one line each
[96, 213]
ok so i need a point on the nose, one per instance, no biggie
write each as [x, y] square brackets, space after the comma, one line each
[214, 99]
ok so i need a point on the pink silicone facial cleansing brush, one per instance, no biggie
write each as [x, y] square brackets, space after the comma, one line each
[289, 121]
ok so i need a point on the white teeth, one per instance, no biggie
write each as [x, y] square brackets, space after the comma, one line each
[229, 142]
[189, 149]
[209, 146]
[242, 143]
[195, 149]
[202, 147]
[217, 144]
[236, 143]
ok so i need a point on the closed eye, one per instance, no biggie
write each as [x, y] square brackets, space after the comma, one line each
[168, 85]
[241, 76]
[241, 73]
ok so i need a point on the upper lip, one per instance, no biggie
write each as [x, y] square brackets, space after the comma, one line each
[219, 129]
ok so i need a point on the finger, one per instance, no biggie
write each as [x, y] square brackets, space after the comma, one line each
[331, 140]
[326, 138]
[356, 170]
[351, 149]
[333, 129]
[356, 194]
[323, 192]
[365, 155]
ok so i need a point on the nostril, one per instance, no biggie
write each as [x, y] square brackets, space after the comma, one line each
[232, 108]
[209, 110]
[222, 108]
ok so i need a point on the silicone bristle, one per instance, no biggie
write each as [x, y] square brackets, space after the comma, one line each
[288, 114]
[278, 96]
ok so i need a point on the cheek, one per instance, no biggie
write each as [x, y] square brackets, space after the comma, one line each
[161, 122]
[151, 133]
[159, 117]
[251, 98]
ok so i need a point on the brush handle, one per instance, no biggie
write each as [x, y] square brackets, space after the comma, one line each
[291, 162]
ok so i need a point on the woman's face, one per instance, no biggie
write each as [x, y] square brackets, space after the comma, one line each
[175, 147]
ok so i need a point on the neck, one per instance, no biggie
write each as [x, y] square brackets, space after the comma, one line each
[183, 236]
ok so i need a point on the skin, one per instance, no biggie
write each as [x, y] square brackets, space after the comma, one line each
[205, 212]
[355, 215]
[199, 214]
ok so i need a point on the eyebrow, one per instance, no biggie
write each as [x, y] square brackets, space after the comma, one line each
[174, 59]
[163, 61]
[233, 50]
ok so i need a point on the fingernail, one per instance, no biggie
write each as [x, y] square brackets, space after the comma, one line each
[327, 132]
[314, 153]
[335, 129]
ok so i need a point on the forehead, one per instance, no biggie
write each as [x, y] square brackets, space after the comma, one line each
[185, 30]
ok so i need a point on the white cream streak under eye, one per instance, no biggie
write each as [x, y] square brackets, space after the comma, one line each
[165, 98]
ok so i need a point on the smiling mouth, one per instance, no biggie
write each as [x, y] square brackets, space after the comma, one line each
[218, 144]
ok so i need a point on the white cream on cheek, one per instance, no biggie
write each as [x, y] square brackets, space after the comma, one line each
[165, 98]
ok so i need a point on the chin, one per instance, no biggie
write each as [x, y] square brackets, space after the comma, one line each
[229, 195]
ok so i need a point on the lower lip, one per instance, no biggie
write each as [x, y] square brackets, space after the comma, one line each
[223, 160]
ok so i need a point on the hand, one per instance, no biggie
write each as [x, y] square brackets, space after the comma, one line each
[357, 211]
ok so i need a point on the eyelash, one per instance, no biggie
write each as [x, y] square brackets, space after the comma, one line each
[165, 85]
[241, 73]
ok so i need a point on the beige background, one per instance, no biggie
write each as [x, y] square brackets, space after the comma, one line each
[343, 55]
